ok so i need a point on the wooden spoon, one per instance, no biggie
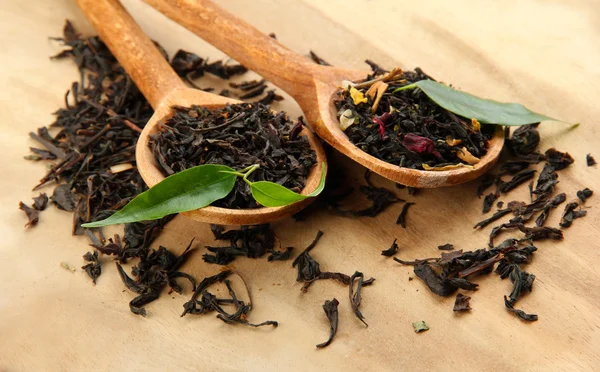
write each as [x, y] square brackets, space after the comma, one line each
[163, 88]
[312, 86]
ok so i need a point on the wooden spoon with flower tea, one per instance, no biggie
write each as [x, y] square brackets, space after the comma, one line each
[163, 89]
[313, 86]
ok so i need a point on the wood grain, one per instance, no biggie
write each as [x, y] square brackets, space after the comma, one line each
[542, 54]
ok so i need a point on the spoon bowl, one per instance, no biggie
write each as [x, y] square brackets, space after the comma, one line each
[312, 86]
[164, 89]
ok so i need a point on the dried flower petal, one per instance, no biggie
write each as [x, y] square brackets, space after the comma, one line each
[476, 125]
[420, 145]
[381, 121]
[446, 167]
[357, 96]
[466, 156]
[453, 142]
[375, 92]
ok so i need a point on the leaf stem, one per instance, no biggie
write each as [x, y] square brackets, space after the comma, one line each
[406, 87]
[252, 169]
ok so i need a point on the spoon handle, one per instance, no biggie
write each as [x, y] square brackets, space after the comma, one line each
[133, 49]
[238, 39]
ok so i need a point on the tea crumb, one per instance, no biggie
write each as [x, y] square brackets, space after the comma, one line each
[420, 326]
[67, 266]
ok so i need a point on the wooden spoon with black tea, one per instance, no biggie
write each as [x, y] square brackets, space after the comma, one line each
[312, 86]
[163, 88]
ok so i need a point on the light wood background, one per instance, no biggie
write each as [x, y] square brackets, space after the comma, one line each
[543, 54]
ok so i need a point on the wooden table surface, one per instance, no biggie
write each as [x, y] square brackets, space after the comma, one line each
[543, 54]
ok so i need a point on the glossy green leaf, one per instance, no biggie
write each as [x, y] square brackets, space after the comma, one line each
[271, 194]
[190, 189]
[472, 107]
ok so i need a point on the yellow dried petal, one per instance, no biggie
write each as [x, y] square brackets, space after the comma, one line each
[447, 167]
[465, 155]
[375, 92]
[476, 125]
[453, 142]
[357, 96]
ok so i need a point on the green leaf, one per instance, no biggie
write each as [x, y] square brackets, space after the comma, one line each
[271, 194]
[191, 189]
[471, 107]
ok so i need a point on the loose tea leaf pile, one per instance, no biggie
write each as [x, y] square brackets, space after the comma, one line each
[453, 271]
[93, 155]
[237, 136]
[407, 128]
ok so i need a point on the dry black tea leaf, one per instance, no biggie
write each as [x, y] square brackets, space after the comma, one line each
[570, 213]
[558, 160]
[540, 233]
[155, 270]
[40, 202]
[461, 303]
[331, 311]
[524, 140]
[196, 306]
[391, 250]
[496, 216]
[93, 268]
[518, 179]
[309, 270]
[64, 198]
[522, 282]
[380, 198]
[354, 295]
[488, 201]
[402, 217]
[486, 181]
[589, 159]
[318, 60]
[33, 215]
[280, 255]
[446, 247]
[436, 284]
[584, 194]
[551, 204]
[248, 241]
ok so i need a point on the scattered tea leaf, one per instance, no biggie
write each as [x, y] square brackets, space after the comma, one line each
[33, 216]
[446, 247]
[40, 202]
[461, 303]
[584, 194]
[391, 250]
[331, 311]
[401, 220]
